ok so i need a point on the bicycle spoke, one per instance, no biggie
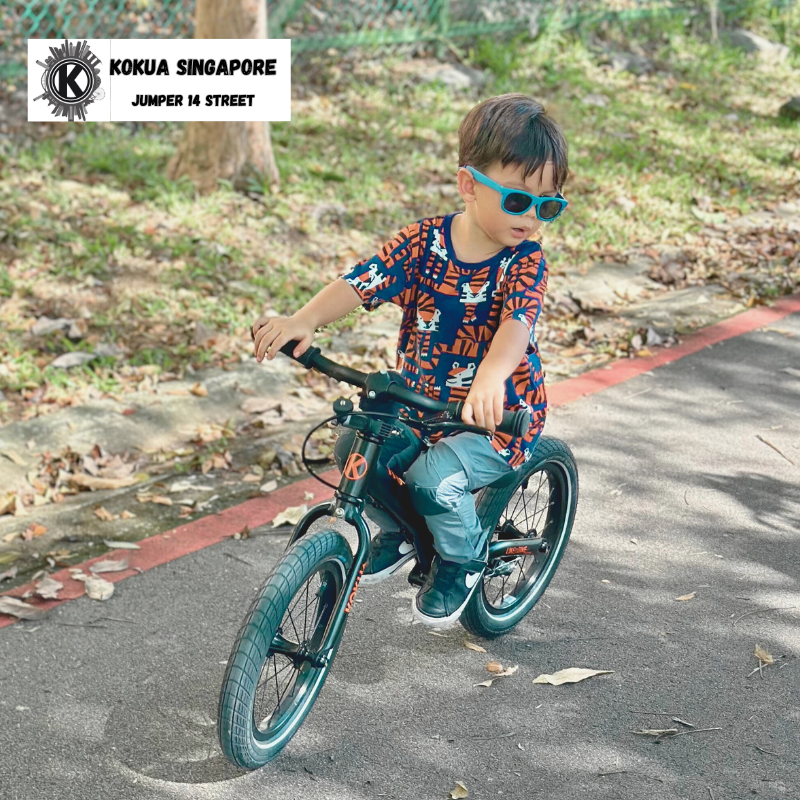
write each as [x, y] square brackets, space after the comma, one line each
[527, 510]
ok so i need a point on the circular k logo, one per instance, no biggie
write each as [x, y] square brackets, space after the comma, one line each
[71, 80]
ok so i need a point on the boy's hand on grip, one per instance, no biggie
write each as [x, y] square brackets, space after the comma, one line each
[484, 404]
[269, 334]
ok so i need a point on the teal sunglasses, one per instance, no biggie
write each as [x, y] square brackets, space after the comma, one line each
[514, 201]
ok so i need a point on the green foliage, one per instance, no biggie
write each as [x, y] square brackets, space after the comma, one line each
[6, 284]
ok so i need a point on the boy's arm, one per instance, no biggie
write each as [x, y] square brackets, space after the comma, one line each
[484, 403]
[523, 294]
[329, 304]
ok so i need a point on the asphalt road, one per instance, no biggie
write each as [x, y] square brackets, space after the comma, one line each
[678, 495]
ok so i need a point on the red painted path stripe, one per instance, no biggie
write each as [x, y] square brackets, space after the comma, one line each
[165, 547]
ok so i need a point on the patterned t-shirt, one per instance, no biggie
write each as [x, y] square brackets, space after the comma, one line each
[451, 311]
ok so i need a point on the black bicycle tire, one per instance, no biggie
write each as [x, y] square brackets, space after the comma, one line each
[235, 719]
[477, 617]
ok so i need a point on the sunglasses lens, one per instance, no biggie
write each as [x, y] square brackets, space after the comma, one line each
[517, 203]
[549, 209]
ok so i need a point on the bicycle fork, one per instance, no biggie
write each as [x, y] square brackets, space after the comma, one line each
[346, 506]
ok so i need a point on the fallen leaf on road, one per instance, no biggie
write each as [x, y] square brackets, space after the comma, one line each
[199, 390]
[290, 516]
[8, 574]
[763, 656]
[484, 683]
[121, 545]
[476, 647]
[48, 588]
[689, 596]
[459, 792]
[160, 500]
[20, 609]
[571, 675]
[96, 588]
[127, 515]
[494, 666]
[656, 731]
[109, 565]
[33, 530]
[508, 671]
[251, 478]
[105, 514]
[258, 405]
[269, 486]
[90, 482]
[11, 455]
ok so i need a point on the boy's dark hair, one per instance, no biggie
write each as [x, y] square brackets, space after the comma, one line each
[513, 129]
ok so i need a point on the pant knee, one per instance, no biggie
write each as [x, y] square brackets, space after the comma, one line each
[436, 482]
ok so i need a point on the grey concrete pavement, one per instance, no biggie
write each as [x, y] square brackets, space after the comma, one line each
[677, 495]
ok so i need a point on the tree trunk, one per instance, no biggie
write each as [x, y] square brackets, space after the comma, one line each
[234, 151]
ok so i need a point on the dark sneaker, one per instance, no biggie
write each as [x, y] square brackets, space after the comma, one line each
[387, 553]
[447, 591]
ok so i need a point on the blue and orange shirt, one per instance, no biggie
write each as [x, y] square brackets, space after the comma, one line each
[451, 311]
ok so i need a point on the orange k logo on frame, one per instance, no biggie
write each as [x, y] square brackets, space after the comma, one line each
[356, 467]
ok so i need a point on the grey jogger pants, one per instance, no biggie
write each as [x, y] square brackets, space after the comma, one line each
[440, 482]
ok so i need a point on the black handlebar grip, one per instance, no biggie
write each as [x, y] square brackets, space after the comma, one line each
[515, 422]
[306, 359]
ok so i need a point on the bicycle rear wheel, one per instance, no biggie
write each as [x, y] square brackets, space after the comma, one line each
[538, 502]
[275, 671]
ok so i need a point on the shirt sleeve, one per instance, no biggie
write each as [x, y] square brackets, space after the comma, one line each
[524, 288]
[389, 274]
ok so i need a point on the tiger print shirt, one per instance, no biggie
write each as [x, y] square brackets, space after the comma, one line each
[451, 311]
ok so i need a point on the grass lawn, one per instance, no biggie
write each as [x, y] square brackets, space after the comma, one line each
[93, 231]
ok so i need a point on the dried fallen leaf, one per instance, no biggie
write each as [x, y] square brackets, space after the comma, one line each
[459, 792]
[109, 565]
[508, 671]
[20, 609]
[12, 455]
[476, 647]
[96, 588]
[48, 588]
[251, 478]
[199, 390]
[484, 683]
[121, 545]
[269, 486]
[127, 515]
[33, 529]
[160, 500]
[494, 666]
[8, 574]
[570, 675]
[290, 516]
[763, 656]
[103, 513]
[657, 731]
[90, 482]
[689, 596]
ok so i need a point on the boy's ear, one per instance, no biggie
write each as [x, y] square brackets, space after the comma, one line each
[466, 185]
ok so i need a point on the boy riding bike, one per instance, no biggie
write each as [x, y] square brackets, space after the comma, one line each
[471, 285]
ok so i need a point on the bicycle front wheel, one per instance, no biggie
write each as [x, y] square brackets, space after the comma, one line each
[275, 671]
[539, 502]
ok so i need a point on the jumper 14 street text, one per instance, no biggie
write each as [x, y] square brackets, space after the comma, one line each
[193, 100]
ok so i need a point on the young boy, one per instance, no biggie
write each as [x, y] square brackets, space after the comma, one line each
[471, 286]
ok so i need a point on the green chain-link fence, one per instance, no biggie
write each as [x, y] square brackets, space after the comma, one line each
[317, 25]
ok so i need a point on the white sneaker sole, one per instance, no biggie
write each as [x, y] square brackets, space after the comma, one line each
[443, 622]
[377, 577]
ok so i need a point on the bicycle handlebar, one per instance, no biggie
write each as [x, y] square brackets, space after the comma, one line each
[514, 422]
